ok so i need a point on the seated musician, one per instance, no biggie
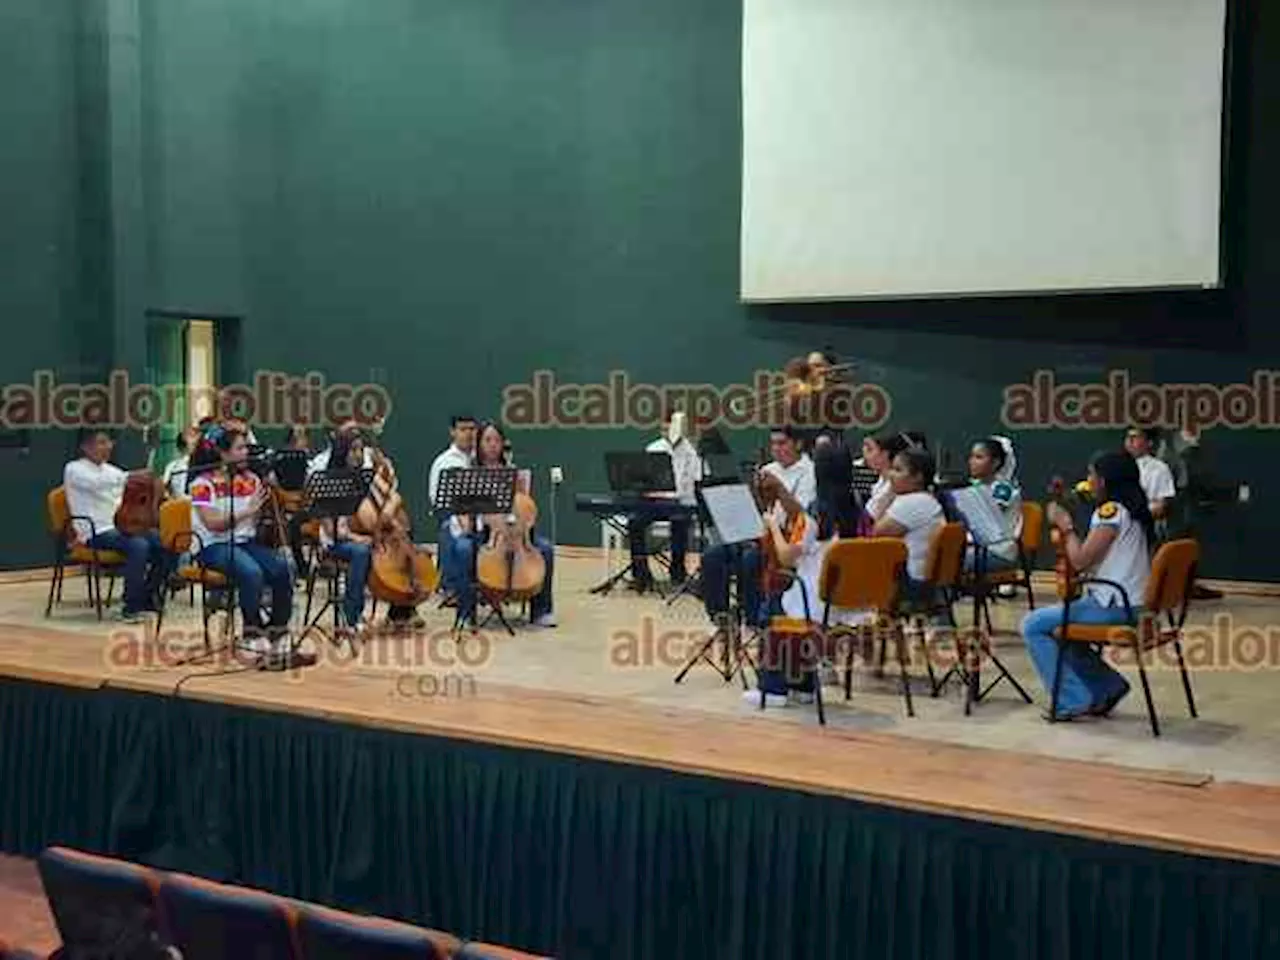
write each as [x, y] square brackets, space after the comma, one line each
[687, 469]
[719, 562]
[1116, 548]
[469, 535]
[215, 497]
[991, 466]
[341, 540]
[1154, 474]
[833, 517]
[913, 514]
[455, 574]
[175, 472]
[299, 438]
[95, 489]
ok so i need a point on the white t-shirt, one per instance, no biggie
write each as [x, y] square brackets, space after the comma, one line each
[920, 513]
[881, 494]
[800, 481]
[1126, 562]
[1156, 479]
[448, 460]
[94, 490]
[686, 465]
[210, 490]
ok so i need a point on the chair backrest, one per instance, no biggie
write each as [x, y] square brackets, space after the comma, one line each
[1032, 527]
[175, 525]
[57, 512]
[489, 951]
[862, 573]
[945, 561]
[1172, 570]
[212, 921]
[325, 934]
[102, 907]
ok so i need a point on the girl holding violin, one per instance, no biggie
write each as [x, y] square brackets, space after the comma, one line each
[1117, 549]
[222, 485]
[493, 451]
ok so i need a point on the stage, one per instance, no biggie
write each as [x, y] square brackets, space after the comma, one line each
[557, 791]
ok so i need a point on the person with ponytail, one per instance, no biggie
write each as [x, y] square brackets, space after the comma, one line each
[1117, 549]
[992, 466]
[913, 514]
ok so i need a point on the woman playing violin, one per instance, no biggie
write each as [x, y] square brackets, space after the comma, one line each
[1116, 549]
[492, 450]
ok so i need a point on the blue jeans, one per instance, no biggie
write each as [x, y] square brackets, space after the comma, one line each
[359, 557]
[255, 566]
[718, 563]
[1087, 680]
[146, 566]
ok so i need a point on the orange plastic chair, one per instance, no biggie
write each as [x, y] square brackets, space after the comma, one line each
[69, 553]
[1173, 571]
[177, 537]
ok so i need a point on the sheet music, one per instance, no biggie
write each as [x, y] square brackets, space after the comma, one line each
[981, 515]
[733, 512]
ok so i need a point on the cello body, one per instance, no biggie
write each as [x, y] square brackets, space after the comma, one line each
[400, 574]
[509, 565]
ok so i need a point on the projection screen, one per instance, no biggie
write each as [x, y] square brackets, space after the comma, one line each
[897, 148]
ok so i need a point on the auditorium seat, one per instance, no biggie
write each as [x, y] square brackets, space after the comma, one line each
[213, 921]
[96, 900]
[325, 934]
[489, 951]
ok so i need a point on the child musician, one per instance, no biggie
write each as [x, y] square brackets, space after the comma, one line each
[221, 485]
[991, 466]
[1116, 548]
[95, 488]
[355, 547]
[913, 514]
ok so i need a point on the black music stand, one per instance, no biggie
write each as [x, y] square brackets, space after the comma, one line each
[331, 495]
[476, 492]
[735, 518]
[290, 467]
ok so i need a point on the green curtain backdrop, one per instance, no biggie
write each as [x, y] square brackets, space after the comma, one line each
[585, 859]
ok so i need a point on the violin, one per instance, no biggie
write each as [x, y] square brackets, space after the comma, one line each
[509, 565]
[400, 574]
[1064, 575]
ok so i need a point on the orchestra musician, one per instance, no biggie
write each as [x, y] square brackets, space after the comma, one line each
[352, 545]
[1116, 548]
[687, 467]
[833, 517]
[455, 568]
[992, 466]
[877, 454]
[913, 514]
[95, 489]
[1153, 473]
[175, 471]
[469, 535]
[795, 471]
[252, 566]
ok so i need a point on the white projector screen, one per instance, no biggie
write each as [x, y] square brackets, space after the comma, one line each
[897, 148]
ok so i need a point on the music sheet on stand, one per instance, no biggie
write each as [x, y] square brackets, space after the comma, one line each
[733, 511]
[981, 515]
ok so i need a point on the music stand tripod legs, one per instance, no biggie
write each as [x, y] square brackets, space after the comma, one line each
[729, 630]
[332, 495]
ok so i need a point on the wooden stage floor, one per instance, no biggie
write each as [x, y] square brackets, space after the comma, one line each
[600, 686]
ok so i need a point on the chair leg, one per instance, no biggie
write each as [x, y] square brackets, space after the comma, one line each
[111, 586]
[1186, 681]
[96, 589]
[928, 658]
[55, 588]
[902, 664]
[1146, 692]
[848, 667]
[1057, 682]
[817, 696]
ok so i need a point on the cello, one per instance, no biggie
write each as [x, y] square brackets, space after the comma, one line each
[508, 565]
[400, 574]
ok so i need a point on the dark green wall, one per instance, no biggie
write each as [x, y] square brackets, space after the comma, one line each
[447, 196]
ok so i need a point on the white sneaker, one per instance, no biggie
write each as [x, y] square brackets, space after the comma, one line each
[253, 648]
[801, 697]
[546, 620]
[770, 699]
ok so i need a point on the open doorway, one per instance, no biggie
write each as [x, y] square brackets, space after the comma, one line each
[183, 362]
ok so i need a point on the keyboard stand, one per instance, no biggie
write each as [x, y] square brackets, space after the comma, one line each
[604, 586]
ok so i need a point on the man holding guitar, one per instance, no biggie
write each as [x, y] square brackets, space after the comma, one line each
[95, 488]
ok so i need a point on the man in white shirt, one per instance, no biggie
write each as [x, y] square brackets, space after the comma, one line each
[795, 470]
[94, 489]
[1154, 474]
[687, 468]
[456, 552]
